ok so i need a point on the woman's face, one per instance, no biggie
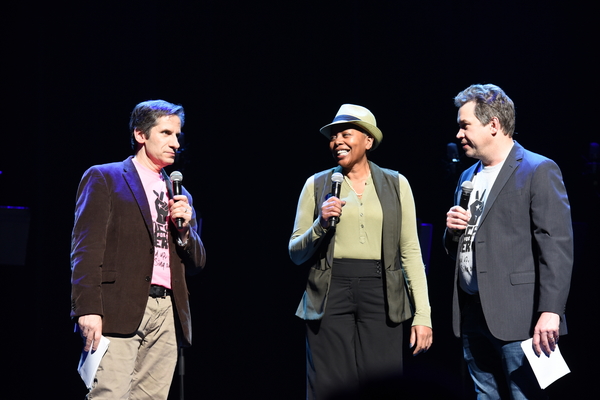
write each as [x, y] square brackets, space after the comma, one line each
[349, 145]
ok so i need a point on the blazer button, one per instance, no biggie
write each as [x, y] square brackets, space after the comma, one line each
[147, 279]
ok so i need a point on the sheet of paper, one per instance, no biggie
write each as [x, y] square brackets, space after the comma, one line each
[89, 361]
[547, 369]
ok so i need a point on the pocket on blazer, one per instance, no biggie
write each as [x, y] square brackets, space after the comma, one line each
[109, 277]
[522, 278]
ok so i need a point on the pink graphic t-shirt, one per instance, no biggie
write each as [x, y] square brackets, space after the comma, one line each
[158, 199]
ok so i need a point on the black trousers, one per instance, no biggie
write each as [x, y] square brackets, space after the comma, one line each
[355, 343]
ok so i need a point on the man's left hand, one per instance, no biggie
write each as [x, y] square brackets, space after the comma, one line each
[179, 207]
[545, 333]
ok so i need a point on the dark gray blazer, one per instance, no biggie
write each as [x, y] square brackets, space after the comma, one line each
[112, 251]
[523, 246]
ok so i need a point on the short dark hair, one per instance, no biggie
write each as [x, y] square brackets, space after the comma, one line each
[490, 101]
[145, 114]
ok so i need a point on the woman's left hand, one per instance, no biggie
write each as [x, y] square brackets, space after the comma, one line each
[421, 338]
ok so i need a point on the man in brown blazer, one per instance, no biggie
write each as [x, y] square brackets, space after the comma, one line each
[133, 243]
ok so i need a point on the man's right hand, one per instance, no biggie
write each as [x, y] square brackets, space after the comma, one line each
[90, 327]
[457, 219]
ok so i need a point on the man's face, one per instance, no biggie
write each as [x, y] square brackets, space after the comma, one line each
[159, 148]
[348, 145]
[474, 137]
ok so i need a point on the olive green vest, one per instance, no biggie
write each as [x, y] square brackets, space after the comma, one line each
[398, 305]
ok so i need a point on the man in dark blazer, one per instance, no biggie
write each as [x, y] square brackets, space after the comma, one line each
[513, 249]
[129, 259]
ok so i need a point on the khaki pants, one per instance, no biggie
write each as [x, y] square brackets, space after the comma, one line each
[141, 366]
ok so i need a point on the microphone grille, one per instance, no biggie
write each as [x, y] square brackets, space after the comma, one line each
[337, 177]
[467, 186]
[176, 176]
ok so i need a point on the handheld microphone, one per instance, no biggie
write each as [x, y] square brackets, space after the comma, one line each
[467, 188]
[176, 178]
[336, 186]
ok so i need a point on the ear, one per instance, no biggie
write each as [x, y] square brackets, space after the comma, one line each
[495, 125]
[370, 141]
[139, 136]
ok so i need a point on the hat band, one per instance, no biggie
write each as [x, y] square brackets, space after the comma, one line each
[345, 118]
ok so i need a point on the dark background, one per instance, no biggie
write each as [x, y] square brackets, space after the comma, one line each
[257, 80]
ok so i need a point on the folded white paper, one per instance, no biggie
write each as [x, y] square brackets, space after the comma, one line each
[547, 369]
[89, 361]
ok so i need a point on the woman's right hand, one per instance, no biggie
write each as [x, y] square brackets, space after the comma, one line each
[332, 207]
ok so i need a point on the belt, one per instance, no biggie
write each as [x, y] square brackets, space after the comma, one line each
[356, 268]
[159, 291]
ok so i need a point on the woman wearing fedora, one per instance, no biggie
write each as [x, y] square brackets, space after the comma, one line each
[366, 272]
